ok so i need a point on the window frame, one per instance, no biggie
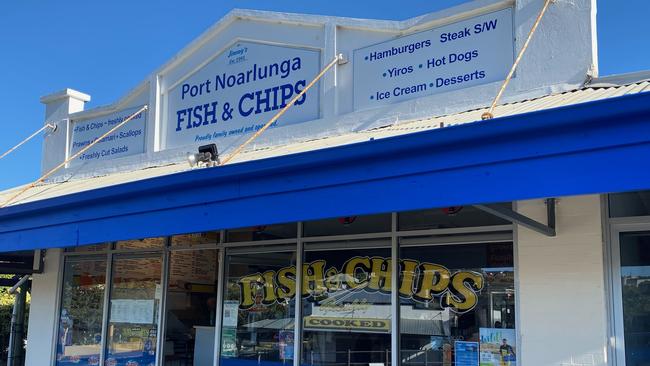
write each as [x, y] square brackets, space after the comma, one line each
[618, 226]
[300, 244]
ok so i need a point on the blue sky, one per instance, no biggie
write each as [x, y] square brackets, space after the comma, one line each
[104, 48]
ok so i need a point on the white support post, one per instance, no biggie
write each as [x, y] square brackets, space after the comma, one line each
[58, 107]
[43, 311]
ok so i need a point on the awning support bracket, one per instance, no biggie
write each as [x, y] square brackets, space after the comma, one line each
[519, 219]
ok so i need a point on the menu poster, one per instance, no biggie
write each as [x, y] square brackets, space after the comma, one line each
[132, 311]
[466, 353]
[497, 347]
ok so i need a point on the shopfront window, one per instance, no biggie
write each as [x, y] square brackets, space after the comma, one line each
[133, 314]
[153, 243]
[629, 204]
[89, 248]
[82, 305]
[635, 290]
[262, 232]
[258, 309]
[449, 218]
[191, 308]
[349, 225]
[347, 304]
[195, 239]
[454, 301]
[456, 296]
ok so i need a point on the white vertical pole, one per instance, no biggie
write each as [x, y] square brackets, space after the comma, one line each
[297, 323]
[219, 308]
[107, 294]
[394, 293]
[160, 343]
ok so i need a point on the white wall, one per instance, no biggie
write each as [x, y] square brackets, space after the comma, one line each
[562, 310]
[42, 311]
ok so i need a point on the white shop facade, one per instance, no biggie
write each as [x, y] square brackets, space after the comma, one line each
[377, 222]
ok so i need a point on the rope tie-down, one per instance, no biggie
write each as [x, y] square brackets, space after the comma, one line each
[283, 110]
[52, 128]
[74, 156]
[235, 152]
[489, 114]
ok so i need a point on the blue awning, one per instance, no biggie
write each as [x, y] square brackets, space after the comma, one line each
[595, 147]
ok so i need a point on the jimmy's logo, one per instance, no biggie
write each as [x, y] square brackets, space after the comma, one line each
[237, 54]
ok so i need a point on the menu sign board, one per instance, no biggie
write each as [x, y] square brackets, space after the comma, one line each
[126, 140]
[475, 51]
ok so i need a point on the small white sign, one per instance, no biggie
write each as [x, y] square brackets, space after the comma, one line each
[132, 311]
[476, 51]
[125, 141]
[239, 91]
[230, 313]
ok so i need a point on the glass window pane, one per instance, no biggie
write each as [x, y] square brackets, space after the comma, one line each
[141, 243]
[191, 308]
[133, 313]
[263, 232]
[346, 306]
[635, 284]
[348, 225]
[190, 240]
[629, 204]
[259, 308]
[455, 299]
[82, 305]
[448, 218]
[89, 248]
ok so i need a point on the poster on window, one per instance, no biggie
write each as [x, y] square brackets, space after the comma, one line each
[229, 342]
[230, 313]
[132, 311]
[466, 353]
[286, 344]
[497, 347]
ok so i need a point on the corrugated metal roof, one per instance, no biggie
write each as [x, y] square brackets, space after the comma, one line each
[599, 89]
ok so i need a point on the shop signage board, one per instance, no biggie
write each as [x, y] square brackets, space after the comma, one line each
[235, 77]
[347, 324]
[238, 91]
[418, 281]
[127, 140]
[459, 55]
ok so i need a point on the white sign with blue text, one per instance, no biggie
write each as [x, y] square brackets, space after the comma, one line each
[472, 52]
[126, 140]
[239, 91]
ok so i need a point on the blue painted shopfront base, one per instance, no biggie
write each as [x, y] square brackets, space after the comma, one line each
[596, 147]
